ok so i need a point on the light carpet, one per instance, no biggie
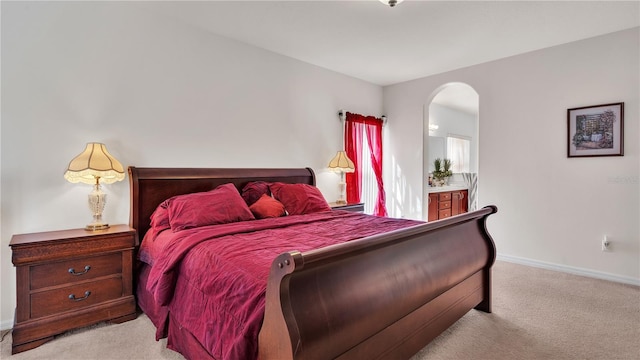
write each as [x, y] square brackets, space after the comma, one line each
[537, 314]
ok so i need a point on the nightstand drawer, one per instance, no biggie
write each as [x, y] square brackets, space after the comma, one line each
[444, 196]
[75, 270]
[75, 297]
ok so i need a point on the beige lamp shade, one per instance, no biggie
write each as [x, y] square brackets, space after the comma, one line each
[341, 163]
[94, 165]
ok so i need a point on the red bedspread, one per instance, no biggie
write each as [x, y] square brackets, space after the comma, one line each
[213, 278]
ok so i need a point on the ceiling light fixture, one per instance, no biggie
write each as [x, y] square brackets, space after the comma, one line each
[391, 3]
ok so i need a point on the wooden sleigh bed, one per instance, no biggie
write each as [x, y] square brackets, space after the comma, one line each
[383, 296]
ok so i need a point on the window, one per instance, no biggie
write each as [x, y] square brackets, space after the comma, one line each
[459, 151]
[363, 144]
[369, 190]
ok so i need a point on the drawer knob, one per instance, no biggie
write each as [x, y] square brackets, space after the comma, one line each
[72, 271]
[86, 295]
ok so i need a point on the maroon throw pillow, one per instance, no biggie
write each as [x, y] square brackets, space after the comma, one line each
[267, 207]
[160, 217]
[254, 190]
[299, 199]
[219, 206]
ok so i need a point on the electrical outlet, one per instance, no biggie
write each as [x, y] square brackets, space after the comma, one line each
[606, 244]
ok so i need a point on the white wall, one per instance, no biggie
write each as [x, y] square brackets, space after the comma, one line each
[552, 209]
[158, 93]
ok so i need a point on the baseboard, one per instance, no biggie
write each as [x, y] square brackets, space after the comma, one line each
[569, 269]
[6, 324]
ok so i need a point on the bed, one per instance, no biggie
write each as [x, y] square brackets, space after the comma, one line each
[373, 296]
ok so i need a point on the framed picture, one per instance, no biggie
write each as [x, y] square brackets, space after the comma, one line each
[596, 130]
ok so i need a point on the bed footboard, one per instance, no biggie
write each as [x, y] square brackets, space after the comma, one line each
[384, 295]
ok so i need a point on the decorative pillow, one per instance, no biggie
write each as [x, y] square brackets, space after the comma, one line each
[219, 206]
[254, 190]
[160, 217]
[299, 199]
[267, 207]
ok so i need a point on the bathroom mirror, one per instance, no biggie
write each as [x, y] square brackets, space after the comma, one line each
[437, 149]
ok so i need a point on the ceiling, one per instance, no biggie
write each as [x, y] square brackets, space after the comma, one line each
[369, 40]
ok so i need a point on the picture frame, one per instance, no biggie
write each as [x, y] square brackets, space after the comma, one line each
[596, 130]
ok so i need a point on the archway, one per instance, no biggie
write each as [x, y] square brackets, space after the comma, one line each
[451, 122]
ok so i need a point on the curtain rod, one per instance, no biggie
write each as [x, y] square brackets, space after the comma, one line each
[342, 115]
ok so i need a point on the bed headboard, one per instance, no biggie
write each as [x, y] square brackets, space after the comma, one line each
[151, 186]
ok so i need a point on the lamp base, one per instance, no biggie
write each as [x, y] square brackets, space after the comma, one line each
[95, 227]
[341, 202]
[97, 201]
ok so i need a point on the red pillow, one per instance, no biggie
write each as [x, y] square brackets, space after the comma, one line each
[160, 217]
[254, 190]
[219, 206]
[299, 199]
[267, 207]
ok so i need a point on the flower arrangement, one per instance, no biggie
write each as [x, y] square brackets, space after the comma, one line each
[442, 170]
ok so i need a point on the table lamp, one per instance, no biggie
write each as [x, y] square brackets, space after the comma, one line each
[342, 164]
[95, 166]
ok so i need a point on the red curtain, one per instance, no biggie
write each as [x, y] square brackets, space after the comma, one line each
[353, 147]
[356, 126]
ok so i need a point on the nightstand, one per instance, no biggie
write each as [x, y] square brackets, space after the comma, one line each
[356, 207]
[70, 279]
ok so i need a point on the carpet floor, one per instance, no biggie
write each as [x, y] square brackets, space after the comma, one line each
[537, 314]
